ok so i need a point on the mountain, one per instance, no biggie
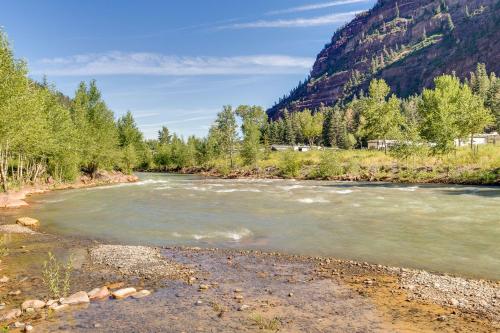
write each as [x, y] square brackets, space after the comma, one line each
[405, 42]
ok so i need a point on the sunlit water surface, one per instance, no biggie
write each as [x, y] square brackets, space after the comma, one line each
[444, 228]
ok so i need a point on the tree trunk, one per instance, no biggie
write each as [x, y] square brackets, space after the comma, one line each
[3, 167]
[385, 146]
[471, 141]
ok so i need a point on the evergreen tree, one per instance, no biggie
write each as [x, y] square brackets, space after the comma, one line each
[164, 136]
[288, 129]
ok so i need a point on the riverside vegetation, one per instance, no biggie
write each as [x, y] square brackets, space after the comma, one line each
[425, 127]
[46, 136]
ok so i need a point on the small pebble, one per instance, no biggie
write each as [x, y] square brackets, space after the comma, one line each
[243, 307]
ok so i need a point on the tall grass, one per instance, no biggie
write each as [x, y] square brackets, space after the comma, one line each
[57, 276]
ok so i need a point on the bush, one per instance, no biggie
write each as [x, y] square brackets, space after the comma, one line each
[57, 276]
[290, 164]
[329, 166]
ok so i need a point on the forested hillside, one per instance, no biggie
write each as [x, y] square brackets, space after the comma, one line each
[405, 42]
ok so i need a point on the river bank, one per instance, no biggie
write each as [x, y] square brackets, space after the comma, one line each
[201, 290]
[17, 197]
[461, 167]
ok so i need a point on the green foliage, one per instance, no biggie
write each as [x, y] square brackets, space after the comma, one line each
[131, 141]
[311, 125]
[263, 323]
[57, 276]
[329, 166]
[164, 136]
[97, 131]
[381, 117]
[290, 164]
[224, 130]
[254, 119]
[451, 111]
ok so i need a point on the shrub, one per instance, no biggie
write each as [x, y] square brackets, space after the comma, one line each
[57, 276]
[329, 166]
[290, 164]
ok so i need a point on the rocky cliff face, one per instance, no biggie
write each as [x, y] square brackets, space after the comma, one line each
[405, 42]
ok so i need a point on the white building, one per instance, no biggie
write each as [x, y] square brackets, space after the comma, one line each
[380, 144]
[479, 139]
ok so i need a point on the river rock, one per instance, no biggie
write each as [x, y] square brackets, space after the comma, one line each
[99, 293]
[4, 279]
[116, 285]
[124, 293]
[244, 307]
[203, 287]
[11, 314]
[77, 298]
[18, 324]
[141, 294]
[50, 302]
[58, 307]
[28, 222]
[28, 328]
[33, 304]
[14, 293]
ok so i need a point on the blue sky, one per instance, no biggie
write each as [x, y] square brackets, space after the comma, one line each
[175, 63]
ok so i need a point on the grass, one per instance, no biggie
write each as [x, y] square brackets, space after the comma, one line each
[218, 308]
[4, 251]
[57, 276]
[461, 166]
[263, 323]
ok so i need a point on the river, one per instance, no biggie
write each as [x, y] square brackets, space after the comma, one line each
[443, 228]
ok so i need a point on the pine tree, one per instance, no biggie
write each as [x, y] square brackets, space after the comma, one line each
[289, 132]
[449, 23]
[164, 136]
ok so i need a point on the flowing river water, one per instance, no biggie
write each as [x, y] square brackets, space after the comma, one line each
[443, 228]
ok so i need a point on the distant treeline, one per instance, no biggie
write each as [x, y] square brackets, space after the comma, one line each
[45, 135]
[451, 110]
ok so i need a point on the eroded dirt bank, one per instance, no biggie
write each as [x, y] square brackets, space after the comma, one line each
[17, 198]
[214, 290]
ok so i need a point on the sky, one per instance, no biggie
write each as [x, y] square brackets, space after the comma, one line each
[175, 63]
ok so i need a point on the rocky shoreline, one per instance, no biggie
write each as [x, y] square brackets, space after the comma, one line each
[230, 290]
[17, 199]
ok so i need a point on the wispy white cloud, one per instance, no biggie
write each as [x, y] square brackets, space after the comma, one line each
[120, 63]
[178, 121]
[315, 6]
[146, 115]
[296, 22]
